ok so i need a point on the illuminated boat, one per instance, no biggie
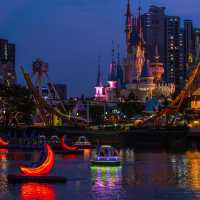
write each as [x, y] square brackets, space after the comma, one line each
[106, 156]
[83, 143]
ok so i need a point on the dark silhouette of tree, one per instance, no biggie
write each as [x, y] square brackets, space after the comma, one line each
[16, 105]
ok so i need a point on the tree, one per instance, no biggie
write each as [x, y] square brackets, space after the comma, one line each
[131, 108]
[16, 104]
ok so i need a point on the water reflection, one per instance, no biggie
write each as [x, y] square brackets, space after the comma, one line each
[106, 182]
[3, 159]
[69, 157]
[87, 154]
[147, 169]
[36, 191]
[3, 167]
[193, 169]
[143, 175]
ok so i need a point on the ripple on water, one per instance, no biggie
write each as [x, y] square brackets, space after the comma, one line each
[160, 175]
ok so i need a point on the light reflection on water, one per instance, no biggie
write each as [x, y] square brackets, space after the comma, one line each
[153, 175]
[3, 167]
[106, 182]
[37, 191]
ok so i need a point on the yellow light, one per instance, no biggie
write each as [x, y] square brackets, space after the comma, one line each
[196, 122]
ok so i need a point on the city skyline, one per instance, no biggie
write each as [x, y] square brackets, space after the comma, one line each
[38, 33]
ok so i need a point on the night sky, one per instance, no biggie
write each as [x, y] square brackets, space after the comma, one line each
[71, 34]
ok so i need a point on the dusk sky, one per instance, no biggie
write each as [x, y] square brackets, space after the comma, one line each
[71, 34]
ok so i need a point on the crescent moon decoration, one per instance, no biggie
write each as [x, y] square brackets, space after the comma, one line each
[67, 147]
[3, 142]
[42, 169]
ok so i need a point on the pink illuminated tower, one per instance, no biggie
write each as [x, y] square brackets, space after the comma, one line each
[99, 94]
[112, 79]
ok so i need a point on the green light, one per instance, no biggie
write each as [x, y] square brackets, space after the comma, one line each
[105, 168]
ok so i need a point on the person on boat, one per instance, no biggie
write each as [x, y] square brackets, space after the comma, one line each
[98, 149]
[115, 153]
[101, 153]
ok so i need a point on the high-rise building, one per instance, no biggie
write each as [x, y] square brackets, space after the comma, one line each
[189, 45]
[181, 71]
[154, 31]
[172, 49]
[197, 44]
[7, 62]
[197, 51]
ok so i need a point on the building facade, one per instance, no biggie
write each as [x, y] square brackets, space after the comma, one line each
[189, 45]
[7, 62]
[172, 49]
[154, 31]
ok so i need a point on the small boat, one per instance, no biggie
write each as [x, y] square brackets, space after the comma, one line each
[106, 156]
[83, 143]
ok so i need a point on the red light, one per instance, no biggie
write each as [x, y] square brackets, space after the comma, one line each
[67, 147]
[69, 157]
[2, 142]
[42, 169]
[3, 154]
[31, 191]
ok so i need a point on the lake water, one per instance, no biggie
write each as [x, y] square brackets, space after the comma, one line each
[152, 175]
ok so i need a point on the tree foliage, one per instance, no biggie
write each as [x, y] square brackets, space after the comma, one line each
[16, 105]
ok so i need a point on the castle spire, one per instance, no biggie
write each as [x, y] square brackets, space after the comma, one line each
[128, 27]
[120, 75]
[146, 71]
[99, 80]
[157, 56]
[118, 55]
[140, 51]
[139, 26]
[113, 53]
[157, 66]
[112, 70]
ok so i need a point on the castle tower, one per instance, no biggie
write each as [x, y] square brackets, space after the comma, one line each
[130, 31]
[99, 78]
[146, 82]
[112, 79]
[157, 67]
[128, 28]
[99, 88]
[120, 76]
[146, 75]
[140, 50]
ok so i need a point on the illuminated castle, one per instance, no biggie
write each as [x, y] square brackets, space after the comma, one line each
[110, 91]
[138, 76]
